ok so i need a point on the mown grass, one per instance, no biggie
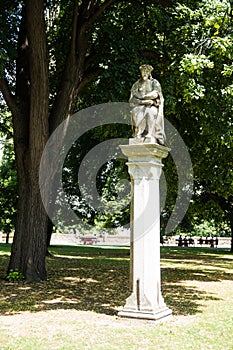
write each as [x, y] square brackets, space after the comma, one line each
[76, 308]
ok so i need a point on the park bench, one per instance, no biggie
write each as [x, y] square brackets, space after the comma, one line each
[7, 238]
[89, 240]
[208, 241]
[185, 242]
[164, 240]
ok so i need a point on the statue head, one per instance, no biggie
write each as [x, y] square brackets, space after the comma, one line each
[146, 67]
[146, 70]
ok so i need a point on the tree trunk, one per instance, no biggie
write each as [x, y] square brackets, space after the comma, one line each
[30, 136]
[29, 246]
[49, 232]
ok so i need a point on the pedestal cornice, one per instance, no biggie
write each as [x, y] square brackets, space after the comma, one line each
[144, 151]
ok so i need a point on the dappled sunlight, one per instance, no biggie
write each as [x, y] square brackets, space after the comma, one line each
[183, 274]
[24, 288]
[98, 280]
[74, 257]
[59, 300]
[77, 279]
[184, 299]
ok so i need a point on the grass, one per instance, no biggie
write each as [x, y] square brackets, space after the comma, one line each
[76, 308]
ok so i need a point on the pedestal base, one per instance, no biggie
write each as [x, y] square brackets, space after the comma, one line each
[159, 316]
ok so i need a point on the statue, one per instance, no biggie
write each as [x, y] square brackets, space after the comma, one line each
[147, 103]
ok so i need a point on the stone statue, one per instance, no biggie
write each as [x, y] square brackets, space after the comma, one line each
[147, 103]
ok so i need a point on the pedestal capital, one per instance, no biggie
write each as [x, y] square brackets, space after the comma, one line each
[144, 159]
[137, 152]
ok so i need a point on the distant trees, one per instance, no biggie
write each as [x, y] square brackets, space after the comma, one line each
[8, 176]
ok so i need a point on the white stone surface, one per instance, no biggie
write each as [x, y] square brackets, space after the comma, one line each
[145, 167]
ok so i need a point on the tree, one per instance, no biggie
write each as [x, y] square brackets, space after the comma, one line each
[33, 117]
[190, 45]
[204, 74]
[41, 93]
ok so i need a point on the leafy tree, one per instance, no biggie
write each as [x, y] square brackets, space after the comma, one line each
[8, 187]
[190, 45]
[8, 190]
[50, 50]
[25, 86]
[205, 95]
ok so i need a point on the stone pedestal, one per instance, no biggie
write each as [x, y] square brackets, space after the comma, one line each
[145, 167]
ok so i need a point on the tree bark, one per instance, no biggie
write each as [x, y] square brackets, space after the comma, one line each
[30, 136]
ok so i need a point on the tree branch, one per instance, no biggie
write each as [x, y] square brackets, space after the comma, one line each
[89, 75]
[9, 98]
[74, 28]
[100, 10]
[153, 55]
[87, 8]
[75, 76]
[225, 204]
[165, 3]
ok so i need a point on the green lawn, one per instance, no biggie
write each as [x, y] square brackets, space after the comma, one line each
[76, 308]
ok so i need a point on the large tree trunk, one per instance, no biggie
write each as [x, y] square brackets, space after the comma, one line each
[30, 136]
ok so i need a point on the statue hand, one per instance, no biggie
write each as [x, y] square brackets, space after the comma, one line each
[148, 102]
[151, 95]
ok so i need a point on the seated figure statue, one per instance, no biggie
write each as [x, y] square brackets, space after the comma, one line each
[147, 102]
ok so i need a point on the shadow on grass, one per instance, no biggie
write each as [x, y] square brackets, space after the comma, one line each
[182, 299]
[98, 280]
[197, 264]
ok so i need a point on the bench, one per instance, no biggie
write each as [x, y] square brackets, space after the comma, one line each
[210, 241]
[164, 240]
[7, 237]
[89, 240]
[185, 242]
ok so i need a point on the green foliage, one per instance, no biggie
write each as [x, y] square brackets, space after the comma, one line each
[8, 176]
[113, 209]
[190, 46]
[14, 275]
[9, 24]
[200, 101]
[208, 228]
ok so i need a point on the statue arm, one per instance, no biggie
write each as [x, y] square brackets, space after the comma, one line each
[139, 102]
[156, 93]
[135, 98]
[151, 95]
[149, 99]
